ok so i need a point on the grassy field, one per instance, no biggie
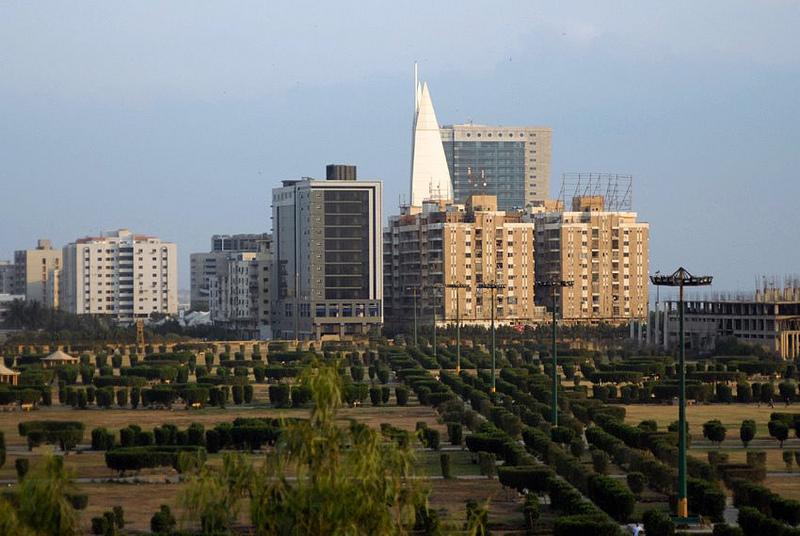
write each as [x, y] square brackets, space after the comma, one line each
[142, 499]
[731, 416]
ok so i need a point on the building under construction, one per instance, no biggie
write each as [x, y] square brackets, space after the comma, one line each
[770, 318]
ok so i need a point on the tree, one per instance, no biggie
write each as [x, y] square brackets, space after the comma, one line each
[714, 431]
[44, 506]
[348, 479]
[747, 431]
[162, 521]
[779, 430]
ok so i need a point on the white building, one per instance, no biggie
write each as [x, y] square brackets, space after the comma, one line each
[128, 276]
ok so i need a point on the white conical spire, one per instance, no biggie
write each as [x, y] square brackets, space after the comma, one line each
[430, 177]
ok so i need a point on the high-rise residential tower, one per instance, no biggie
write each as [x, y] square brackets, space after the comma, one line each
[604, 252]
[32, 273]
[121, 274]
[327, 270]
[511, 163]
[472, 245]
[430, 177]
[206, 266]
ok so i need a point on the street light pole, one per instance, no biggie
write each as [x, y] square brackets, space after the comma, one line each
[553, 285]
[457, 286]
[681, 278]
[415, 313]
[494, 286]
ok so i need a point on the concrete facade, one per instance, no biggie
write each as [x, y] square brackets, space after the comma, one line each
[771, 319]
[511, 163]
[32, 269]
[128, 276]
[206, 266]
[469, 244]
[239, 299]
[604, 253]
[326, 252]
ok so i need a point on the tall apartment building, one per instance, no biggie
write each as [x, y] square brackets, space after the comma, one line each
[7, 270]
[604, 253]
[32, 269]
[327, 250]
[206, 266]
[471, 244]
[511, 163]
[239, 298]
[118, 273]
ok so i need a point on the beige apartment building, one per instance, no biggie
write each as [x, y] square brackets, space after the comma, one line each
[471, 244]
[604, 253]
[32, 273]
[121, 274]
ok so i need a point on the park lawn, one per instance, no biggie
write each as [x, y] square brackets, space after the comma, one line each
[139, 501]
[116, 418]
[461, 463]
[449, 498]
[786, 487]
[731, 416]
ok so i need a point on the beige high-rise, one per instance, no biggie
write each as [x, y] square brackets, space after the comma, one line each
[605, 254]
[32, 273]
[471, 244]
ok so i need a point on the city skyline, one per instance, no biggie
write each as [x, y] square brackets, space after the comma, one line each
[183, 134]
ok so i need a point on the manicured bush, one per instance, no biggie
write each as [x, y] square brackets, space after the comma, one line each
[445, 462]
[714, 431]
[301, 395]
[779, 430]
[534, 478]
[613, 497]
[585, 526]
[279, 395]
[455, 433]
[636, 482]
[747, 431]
[162, 521]
[487, 462]
[401, 394]
[22, 465]
[657, 523]
[138, 458]
[66, 434]
[102, 439]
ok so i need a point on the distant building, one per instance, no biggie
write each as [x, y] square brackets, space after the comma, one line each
[32, 268]
[470, 244]
[605, 254]
[430, 177]
[326, 257]
[7, 270]
[770, 319]
[511, 163]
[239, 298]
[206, 266]
[121, 274]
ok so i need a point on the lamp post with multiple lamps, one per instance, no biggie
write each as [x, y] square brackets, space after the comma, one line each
[493, 286]
[553, 285]
[681, 278]
[458, 286]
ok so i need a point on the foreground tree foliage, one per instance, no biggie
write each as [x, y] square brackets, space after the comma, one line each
[349, 480]
[42, 505]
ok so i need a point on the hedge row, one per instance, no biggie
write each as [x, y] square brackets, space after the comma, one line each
[138, 458]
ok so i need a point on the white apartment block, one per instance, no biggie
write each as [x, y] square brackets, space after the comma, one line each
[128, 276]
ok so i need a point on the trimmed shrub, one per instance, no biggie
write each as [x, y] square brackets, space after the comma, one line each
[279, 395]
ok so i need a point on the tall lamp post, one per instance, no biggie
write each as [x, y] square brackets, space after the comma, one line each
[415, 313]
[553, 285]
[458, 286]
[681, 278]
[494, 286]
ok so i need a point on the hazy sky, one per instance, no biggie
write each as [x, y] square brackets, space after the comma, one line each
[177, 119]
